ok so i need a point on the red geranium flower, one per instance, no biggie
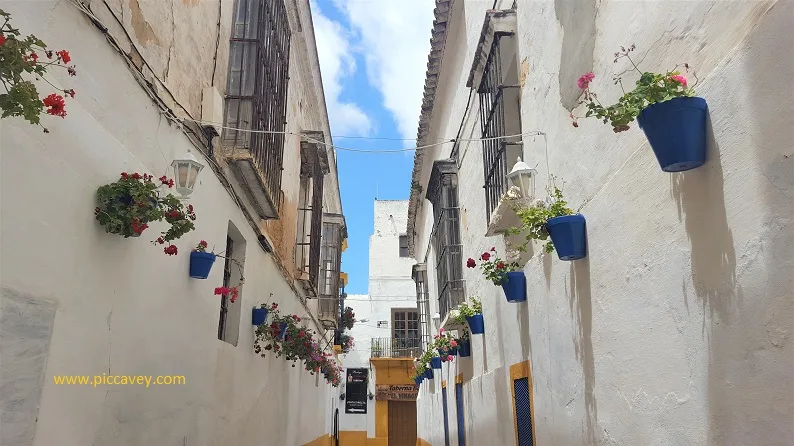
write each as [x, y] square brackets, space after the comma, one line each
[55, 105]
[2, 39]
[170, 250]
[471, 263]
[64, 55]
[500, 265]
[485, 256]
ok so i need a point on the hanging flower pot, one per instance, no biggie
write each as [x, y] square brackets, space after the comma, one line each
[464, 348]
[283, 333]
[429, 374]
[418, 380]
[476, 324]
[435, 362]
[569, 235]
[201, 264]
[259, 316]
[515, 287]
[676, 130]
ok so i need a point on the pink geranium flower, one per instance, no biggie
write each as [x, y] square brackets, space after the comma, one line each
[585, 80]
[680, 79]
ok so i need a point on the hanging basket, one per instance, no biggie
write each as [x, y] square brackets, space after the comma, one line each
[464, 349]
[201, 264]
[476, 324]
[258, 316]
[516, 287]
[676, 130]
[569, 235]
[435, 362]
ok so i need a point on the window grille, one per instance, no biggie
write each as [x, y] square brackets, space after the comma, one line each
[523, 412]
[446, 415]
[499, 117]
[314, 165]
[331, 257]
[227, 282]
[422, 303]
[443, 193]
[461, 417]
[256, 91]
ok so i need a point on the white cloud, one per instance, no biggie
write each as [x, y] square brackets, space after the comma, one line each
[337, 62]
[395, 40]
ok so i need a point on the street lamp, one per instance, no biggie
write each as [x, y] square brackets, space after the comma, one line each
[186, 170]
[522, 177]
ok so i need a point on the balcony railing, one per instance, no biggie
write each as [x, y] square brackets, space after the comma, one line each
[396, 348]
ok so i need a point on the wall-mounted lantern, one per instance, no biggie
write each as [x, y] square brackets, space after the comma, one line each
[186, 170]
[523, 177]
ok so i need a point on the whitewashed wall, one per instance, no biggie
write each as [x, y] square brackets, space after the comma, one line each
[676, 330]
[390, 286]
[78, 301]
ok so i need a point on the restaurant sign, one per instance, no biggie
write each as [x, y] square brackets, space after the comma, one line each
[396, 392]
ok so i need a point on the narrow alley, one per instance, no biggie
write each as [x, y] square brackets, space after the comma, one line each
[396, 223]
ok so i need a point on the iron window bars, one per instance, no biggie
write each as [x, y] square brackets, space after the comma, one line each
[419, 274]
[498, 118]
[256, 92]
[330, 260]
[314, 166]
[227, 279]
[443, 194]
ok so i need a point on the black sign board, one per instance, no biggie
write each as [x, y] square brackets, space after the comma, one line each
[356, 391]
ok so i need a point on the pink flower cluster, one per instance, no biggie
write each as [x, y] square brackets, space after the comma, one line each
[585, 80]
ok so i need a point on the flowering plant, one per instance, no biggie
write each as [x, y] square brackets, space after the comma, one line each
[535, 217]
[650, 89]
[443, 342]
[348, 318]
[202, 247]
[20, 55]
[128, 205]
[465, 310]
[464, 336]
[347, 342]
[494, 268]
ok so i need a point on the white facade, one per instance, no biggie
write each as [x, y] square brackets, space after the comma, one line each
[390, 287]
[79, 301]
[676, 329]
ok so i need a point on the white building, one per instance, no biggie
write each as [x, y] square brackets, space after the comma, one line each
[676, 328]
[79, 301]
[387, 334]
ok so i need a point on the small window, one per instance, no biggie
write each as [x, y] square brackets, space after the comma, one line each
[229, 317]
[403, 246]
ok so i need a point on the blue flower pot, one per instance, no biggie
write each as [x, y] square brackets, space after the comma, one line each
[429, 373]
[676, 130]
[435, 362]
[201, 264]
[569, 235]
[283, 333]
[258, 316]
[453, 351]
[515, 287]
[464, 349]
[476, 324]
[418, 380]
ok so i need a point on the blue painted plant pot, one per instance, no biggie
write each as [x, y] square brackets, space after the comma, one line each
[515, 287]
[464, 349]
[259, 316]
[429, 373]
[417, 380]
[435, 362]
[283, 333]
[569, 235]
[453, 351]
[676, 130]
[201, 264]
[476, 324]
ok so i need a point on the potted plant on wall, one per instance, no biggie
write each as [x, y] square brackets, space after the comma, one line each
[464, 344]
[346, 342]
[672, 117]
[348, 318]
[201, 261]
[446, 346]
[504, 273]
[259, 314]
[127, 206]
[554, 219]
[471, 315]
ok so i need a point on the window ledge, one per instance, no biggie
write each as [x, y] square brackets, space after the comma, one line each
[504, 216]
[250, 180]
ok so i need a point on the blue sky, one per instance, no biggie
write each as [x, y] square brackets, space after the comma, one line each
[373, 56]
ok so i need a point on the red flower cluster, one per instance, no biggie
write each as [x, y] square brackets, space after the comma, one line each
[170, 250]
[136, 176]
[223, 291]
[137, 227]
[55, 105]
[64, 56]
[2, 39]
[166, 181]
[470, 263]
